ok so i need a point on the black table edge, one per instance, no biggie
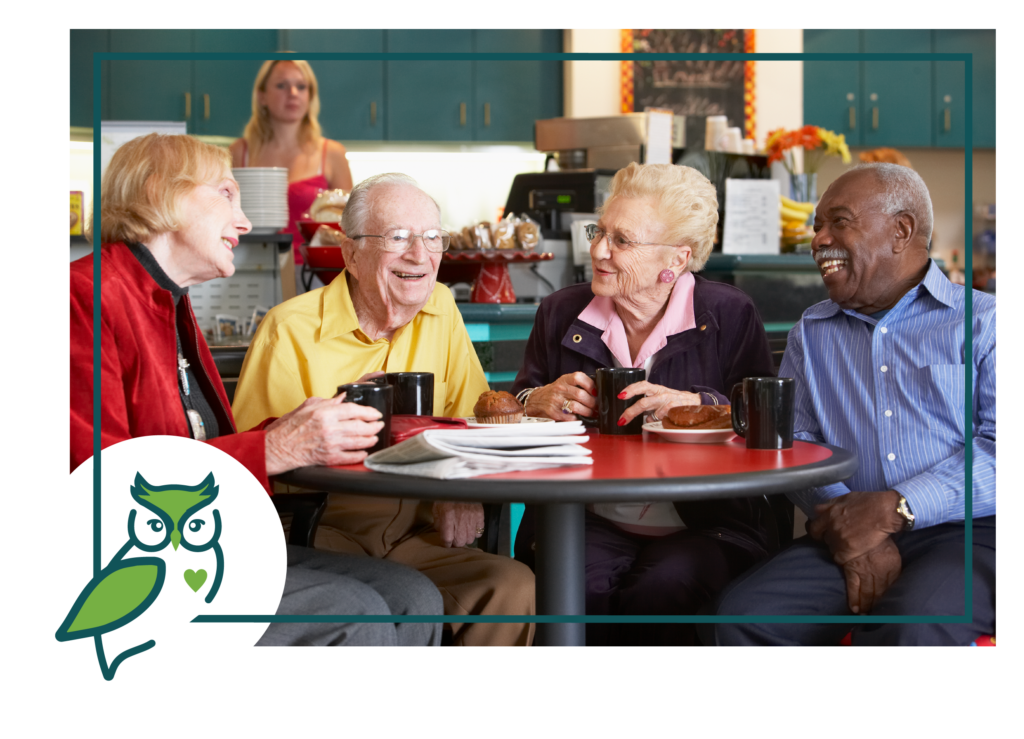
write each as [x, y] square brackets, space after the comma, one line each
[841, 465]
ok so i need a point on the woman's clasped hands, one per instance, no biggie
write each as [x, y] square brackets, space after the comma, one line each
[574, 395]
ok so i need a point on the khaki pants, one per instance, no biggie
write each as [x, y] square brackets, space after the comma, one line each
[471, 582]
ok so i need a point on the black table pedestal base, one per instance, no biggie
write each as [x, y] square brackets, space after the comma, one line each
[561, 590]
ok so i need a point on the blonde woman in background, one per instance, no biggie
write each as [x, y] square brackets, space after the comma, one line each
[284, 132]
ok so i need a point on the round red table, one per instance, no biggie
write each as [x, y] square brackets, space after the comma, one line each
[626, 469]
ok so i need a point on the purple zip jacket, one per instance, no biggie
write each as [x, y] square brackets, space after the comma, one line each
[728, 344]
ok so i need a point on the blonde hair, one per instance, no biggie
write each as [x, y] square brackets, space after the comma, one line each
[146, 180]
[684, 199]
[258, 131]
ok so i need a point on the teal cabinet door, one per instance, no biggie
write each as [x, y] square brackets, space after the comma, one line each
[510, 95]
[222, 98]
[949, 113]
[430, 100]
[83, 45]
[151, 90]
[832, 89]
[896, 102]
[351, 92]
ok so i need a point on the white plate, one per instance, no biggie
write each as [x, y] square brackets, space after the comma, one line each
[690, 436]
[471, 421]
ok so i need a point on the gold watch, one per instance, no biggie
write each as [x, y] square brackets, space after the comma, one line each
[903, 508]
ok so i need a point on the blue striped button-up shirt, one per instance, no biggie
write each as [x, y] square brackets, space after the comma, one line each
[892, 391]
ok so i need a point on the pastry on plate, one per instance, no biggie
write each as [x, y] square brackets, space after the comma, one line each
[497, 406]
[698, 417]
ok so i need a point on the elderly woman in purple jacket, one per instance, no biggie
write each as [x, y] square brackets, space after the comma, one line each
[696, 338]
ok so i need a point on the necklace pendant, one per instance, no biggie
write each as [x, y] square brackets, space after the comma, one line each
[198, 427]
[182, 366]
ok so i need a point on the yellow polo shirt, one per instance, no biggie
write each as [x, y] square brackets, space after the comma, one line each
[311, 344]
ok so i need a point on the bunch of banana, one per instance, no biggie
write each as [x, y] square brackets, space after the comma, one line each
[793, 218]
[792, 212]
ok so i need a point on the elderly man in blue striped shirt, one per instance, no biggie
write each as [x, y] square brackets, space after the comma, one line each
[879, 370]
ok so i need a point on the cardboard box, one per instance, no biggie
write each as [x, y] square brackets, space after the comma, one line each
[77, 213]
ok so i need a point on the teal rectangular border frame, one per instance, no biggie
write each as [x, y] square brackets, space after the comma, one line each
[967, 59]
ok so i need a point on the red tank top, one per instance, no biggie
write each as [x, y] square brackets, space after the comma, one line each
[301, 195]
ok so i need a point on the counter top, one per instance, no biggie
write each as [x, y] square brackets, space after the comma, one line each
[767, 263]
[498, 312]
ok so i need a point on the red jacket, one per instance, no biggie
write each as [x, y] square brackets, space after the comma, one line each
[139, 357]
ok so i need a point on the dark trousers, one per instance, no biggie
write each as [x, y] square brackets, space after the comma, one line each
[803, 580]
[631, 575]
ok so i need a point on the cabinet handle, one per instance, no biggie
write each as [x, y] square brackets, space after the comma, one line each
[188, 105]
[487, 114]
[373, 113]
[948, 122]
[874, 119]
[853, 118]
[462, 114]
[206, 107]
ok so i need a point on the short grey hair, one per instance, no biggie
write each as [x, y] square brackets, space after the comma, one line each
[903, 190]
[357, 210]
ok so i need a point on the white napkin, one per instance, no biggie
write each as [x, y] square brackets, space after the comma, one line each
[452, 455]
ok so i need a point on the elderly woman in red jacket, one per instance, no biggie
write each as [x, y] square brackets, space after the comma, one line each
[171, 217]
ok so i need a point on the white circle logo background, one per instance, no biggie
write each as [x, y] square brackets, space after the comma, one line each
[253, 545]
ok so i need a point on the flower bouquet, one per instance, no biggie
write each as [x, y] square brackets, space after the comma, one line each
[816, 142]
[796, 214]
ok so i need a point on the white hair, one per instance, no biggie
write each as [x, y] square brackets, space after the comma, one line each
[903, 190]
[357, 210]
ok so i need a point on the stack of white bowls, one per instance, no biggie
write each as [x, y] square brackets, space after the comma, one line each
[264, 193]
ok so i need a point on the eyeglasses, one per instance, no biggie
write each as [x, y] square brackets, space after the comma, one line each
[616, 241]
[400, 239]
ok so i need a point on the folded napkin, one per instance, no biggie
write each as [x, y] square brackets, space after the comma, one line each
[452, 455]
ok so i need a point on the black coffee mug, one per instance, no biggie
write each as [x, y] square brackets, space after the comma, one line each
[414, 393]
[762, 412]
[375, 396]
[611, 382]
[590, 422]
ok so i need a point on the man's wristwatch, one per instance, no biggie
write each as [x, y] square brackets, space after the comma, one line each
[903, 508]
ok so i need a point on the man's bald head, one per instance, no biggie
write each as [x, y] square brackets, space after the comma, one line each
[901, 190]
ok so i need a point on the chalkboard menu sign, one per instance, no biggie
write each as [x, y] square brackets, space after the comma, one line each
[695, 88]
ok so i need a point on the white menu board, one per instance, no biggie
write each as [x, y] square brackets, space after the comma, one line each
[658, 149]
[751, 217]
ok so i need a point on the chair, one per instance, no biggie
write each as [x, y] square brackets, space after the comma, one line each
[306, 509]
[780, 527]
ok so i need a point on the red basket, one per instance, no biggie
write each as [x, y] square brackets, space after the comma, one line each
[325, 261]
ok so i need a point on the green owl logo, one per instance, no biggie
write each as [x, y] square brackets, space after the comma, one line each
[125, 588]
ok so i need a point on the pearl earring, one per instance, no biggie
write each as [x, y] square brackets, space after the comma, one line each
[667, 275]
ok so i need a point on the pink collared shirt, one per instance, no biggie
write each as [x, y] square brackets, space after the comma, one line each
[649, 519]
[600, 313]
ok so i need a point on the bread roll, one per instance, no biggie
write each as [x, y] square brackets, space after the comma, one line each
[482, 236]
[503, 233]
[328, 206]
[528, 235]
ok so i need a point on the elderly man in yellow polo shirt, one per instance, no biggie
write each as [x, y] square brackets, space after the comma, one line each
[386, 312]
